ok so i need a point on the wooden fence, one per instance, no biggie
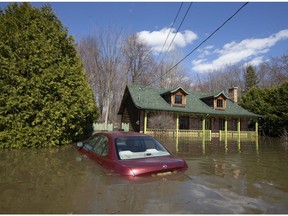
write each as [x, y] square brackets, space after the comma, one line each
[109, 127]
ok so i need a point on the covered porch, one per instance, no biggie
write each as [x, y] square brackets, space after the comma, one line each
[203, 127]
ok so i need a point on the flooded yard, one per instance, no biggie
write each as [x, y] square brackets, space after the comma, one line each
[221, 178]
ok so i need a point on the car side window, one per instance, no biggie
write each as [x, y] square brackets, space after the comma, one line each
[90, 144]
[101, 147]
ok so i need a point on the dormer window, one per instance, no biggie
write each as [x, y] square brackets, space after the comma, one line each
[178, 99]
[219, 103]
[216, 101]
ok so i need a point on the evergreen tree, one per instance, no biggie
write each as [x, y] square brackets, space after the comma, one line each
[250, 78]
[272, 103]
[45, 98]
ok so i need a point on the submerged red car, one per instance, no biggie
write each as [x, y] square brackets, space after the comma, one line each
[131, 154]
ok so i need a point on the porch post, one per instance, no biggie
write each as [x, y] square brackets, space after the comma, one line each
[225, 128]
[177, 125]
[256, 136]
[177, 130]
[239, 128]
[256, 133]
[145, 121]
[256, 128]
[203, 128]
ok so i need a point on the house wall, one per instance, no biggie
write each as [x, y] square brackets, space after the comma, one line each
[215, 124]
[195, 123]
[131, 115]
[232, 124]
[244, 124]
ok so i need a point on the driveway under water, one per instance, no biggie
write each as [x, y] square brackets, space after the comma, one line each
[232, 178]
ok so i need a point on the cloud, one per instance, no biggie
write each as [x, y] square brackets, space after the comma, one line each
[232, 53]
[156, 39]
[206, 51]
[256, 61]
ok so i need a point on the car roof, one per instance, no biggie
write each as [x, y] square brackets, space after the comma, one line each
[119, 134]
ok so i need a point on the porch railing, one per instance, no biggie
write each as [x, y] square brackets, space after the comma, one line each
[185, 134]
[233, 135]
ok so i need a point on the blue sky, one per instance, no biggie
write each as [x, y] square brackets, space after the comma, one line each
[259, 31]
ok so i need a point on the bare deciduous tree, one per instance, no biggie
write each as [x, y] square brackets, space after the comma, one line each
[161, 120]
[273, 72]
[221, 79]
[102, 56]
[138, 60]
[89, 53]
[171, 76]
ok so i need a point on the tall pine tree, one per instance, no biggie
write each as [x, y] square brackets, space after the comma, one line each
[250, 78]
[45, 97]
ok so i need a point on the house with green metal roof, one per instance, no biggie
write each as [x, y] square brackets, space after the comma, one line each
[195, 114]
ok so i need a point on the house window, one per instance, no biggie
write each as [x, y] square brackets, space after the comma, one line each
[178, 99]
[219, 103]
[234, 125]
[184, 122]
[208, 125]
[221, 124]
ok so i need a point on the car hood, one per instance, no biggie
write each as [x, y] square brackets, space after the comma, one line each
[154, 165]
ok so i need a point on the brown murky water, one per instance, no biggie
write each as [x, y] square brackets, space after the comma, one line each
[232, 178]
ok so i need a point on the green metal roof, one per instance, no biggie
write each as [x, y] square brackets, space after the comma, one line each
[175, 90]
[149, 98]
[215, 95]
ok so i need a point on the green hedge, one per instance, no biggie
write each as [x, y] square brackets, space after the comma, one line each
[45, 97]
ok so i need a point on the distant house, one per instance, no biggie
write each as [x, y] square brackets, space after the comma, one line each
[195, 114]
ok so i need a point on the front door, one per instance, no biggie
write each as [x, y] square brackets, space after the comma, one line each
[184, 122]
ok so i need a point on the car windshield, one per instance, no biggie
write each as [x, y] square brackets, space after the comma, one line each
[139, 147]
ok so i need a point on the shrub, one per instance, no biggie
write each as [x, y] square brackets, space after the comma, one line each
[45, 97]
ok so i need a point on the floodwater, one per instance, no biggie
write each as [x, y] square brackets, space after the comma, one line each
[221, 178]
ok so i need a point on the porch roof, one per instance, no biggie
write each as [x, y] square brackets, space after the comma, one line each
[149, 98]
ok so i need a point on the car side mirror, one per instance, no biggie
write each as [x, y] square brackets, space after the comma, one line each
[80, 144]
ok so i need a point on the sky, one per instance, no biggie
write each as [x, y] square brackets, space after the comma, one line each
[256, 33]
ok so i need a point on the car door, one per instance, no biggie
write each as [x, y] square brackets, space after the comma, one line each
[101, 150]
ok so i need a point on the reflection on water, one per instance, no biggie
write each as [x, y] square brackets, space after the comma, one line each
[221, 178]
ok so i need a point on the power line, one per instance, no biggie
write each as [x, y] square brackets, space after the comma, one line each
[174, 36]
[170, 31]
[201, 43]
